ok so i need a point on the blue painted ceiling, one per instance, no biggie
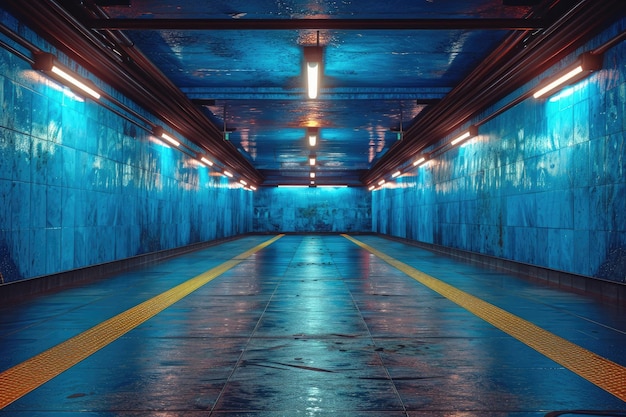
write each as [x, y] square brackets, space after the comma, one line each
[397, 75]
[374, 80]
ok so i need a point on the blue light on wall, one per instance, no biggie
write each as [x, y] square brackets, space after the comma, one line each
[312, 210]
[80, 185]
[543, 185]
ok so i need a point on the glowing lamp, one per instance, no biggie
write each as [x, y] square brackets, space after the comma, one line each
[46, 62]
[313, 58]
[160, 133]
[584, 65]
[470, 133]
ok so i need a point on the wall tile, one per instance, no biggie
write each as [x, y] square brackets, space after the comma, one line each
[20, 202]
[581, 208]
[53, 250]
[6, 209]
[67, 249]
[581, 121]
[38, 252]
[38, 215]
[22, 109]
[53, 206]
[581, 260]
[555, 209]
[55, 119]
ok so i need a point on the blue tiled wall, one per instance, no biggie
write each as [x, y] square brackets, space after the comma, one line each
[312, 210]
[544, 183]
[81, 186]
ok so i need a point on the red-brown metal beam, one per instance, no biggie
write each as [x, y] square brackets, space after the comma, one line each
[313, 24]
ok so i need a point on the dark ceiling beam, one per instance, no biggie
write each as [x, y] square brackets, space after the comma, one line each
[317, 24]
[424, 99]
[424, 95]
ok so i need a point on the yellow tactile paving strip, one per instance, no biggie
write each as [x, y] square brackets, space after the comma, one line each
[600, 371]
[34, 372]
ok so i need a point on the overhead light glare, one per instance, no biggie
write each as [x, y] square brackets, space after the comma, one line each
[312, 160]
[372, 187]
[381, 182]
[471, 132]
[292, 186]
[333, 186]
[584, 65]
[312, 175]
[46, 62]
[396, 174]
[253, 188]
[76, 82]
[313, 58]
[160, 133]
[170, 139]
[228, 174]
[460, 138]
[243, 182]
[561, 80]
[206, 161]
[419, 161]
[312, 135]
[312, 69]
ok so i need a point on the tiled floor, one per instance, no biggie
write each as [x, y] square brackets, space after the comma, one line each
[311, 326]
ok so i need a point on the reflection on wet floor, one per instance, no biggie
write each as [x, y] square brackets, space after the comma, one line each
[311, 325]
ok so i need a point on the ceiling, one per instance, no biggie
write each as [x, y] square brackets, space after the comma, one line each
[229, 75]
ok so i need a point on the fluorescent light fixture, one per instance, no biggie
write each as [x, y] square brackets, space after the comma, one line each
[228, 174]
[47, 62]
[372, 187]
[419, 161]
[312, 71]
[293, 186]
[76, 82]
[206, 161]
[243, 182]
[396, 174]
[381, 182]
[170, 139]
[312, 160]
[556, 83]
[253, 188]
[160, 133]
[584, 65]
[471, 132]
[333, 186]
[312, 135]
[313, 58]
[312, 175]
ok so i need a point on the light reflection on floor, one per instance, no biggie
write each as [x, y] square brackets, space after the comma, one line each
[311, 326]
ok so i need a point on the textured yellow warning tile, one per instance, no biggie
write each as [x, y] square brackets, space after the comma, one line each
[32, 373]
[600, 371]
